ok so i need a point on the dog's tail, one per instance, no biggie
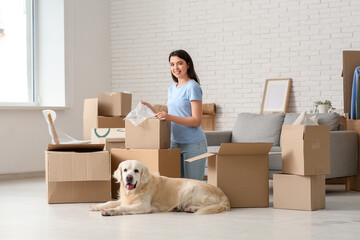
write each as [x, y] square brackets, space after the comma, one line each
[223, 205]
[212, 209]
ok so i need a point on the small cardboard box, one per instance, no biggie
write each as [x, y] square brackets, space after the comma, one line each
[91, 119]
[241, 170]
[299, 192]
[73, 177]
[166, 162]
[305, 149]
[99, 135]
[150, 134]
[114, 104]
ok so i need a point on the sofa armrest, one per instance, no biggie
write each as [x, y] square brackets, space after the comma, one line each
[215, 138]
[343, 154]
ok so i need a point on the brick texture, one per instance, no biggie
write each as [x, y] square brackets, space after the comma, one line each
[236, 46]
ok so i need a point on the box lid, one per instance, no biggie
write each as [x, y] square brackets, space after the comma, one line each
[237, 149]
[244, 148]
[77, 147]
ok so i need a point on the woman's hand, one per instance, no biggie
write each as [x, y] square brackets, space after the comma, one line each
[162, 116]
[149, 106]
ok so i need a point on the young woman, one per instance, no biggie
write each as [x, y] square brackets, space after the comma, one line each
[185, 112]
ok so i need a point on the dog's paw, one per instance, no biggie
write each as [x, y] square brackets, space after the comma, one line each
[94, 208]
[108, 212]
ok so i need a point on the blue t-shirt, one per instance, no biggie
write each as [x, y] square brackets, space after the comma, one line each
[178, 104]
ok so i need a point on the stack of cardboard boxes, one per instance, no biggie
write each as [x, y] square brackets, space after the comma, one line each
[305, 162]
[103, 118]
[108, 110]
[149, 143]
[82, 172]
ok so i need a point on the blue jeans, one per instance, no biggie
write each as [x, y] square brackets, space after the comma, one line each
[196, 169]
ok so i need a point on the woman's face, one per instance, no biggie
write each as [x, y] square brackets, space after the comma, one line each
[179, 67]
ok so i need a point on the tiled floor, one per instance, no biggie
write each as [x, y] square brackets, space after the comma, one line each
[25, 214]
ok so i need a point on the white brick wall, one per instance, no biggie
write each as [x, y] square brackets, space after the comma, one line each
[235, 46]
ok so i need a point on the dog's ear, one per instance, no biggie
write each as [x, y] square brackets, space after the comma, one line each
[118, 173]
[145, 175]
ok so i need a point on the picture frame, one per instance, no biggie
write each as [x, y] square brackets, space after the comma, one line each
[276, 95]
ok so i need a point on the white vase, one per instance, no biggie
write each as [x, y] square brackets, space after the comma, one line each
[323, 108]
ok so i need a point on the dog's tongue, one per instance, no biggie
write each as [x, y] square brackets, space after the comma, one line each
[129, 186]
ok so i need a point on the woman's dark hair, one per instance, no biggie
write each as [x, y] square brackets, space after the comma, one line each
[185, 56]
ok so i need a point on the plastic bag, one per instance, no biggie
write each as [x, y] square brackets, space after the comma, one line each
[62, 137]
[140, 114]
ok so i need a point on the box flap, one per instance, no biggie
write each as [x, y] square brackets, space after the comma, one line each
[115, 140]
[205, 155]
[244, 148]
[82, 147]
[293, 131]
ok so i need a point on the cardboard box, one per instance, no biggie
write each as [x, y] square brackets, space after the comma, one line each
[150, 134]
[92, 120]
[114, 143]
[166, 162]
[241, 170]
[90, 114]
[73, 177]
[208, 122]
[305, 149]
[99, 135]
[299, 192]
[114, 104]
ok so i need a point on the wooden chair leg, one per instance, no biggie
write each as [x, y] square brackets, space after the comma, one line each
[348, 184]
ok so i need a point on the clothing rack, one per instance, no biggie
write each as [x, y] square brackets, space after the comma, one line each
[351, 60]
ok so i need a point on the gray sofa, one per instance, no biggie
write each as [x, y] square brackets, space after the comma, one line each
[250, 127]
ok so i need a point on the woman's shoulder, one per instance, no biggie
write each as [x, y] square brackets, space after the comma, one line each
[193, 83]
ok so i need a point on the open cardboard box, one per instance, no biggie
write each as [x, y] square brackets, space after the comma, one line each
[114, 103]
[77, 173]
[241, 170]
[305, 149]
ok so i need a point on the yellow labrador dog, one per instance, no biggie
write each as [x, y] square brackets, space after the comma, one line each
[142, 192]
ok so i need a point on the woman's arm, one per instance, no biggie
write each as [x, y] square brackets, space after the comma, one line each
[150, 106]
[193, 121]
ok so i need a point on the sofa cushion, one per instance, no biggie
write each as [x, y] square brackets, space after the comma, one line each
[251, 127]
[331, 119]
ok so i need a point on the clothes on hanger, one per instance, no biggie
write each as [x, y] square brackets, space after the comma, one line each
[355, 97]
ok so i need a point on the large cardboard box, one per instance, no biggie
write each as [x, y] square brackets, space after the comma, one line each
[166, 162]
[91, 119]
[305, 149]
[114, 104]
[73, 177]
[299, 192]
[150, 134]
[241, 170]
